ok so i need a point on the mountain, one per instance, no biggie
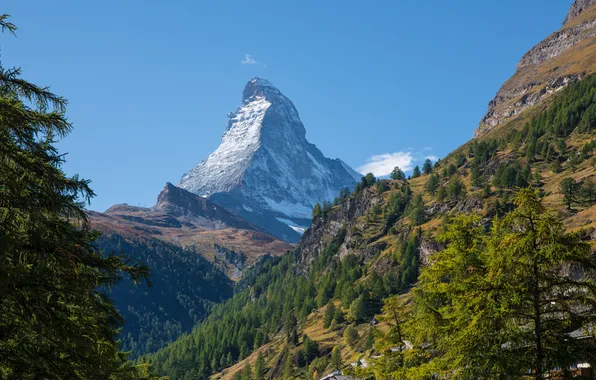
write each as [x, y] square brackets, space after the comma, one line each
[265, 170]
[192, 222]
[196, 249]
[373, 243]
[564, 57]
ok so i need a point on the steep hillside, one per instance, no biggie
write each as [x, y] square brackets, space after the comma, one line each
[371, 243]
[189, 221]
[564, 57]
[265, 170]
[196, 250]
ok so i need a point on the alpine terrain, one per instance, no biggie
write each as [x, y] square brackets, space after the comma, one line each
[265, 170]
[480, 265]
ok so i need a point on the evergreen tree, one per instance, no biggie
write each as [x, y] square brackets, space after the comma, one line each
[316, 210]
[416, 172]
[357, 312]
[329, 315]
[350, 336]
[246, 372]
[259, 372]
[56, 320]
[336, 362]
[288, 367]
[569, 188]
[501, 297]
[432, 184]
[427, 167]
[398, 174]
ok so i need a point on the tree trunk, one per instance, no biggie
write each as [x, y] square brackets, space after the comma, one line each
[537, 325]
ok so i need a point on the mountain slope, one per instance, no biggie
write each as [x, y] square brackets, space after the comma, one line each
[372, 243]
[196, 251]
[564, 57]
[264, 169]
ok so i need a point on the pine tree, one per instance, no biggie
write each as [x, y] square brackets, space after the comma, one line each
[316, 210]
[329, 314]
[432, 184]
[350, 335]
[427, 167]
[357, 312]
[259, 371]
[56, 320]
[569, 188]
[398, 174]
[288, 367]
[336, 358]
[416, 172]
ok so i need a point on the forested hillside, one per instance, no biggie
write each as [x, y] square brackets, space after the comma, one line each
[370, 245]
[184, 288]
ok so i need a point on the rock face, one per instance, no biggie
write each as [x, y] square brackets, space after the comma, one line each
[564, 57]
[198, 211]
[265, 170]
[578, 7]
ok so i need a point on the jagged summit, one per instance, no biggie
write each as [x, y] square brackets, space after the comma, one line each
[264, 169]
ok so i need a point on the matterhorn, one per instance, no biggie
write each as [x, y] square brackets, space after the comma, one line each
[265, 170]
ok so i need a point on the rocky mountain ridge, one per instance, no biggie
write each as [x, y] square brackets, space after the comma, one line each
[265, 170]
[563, 58]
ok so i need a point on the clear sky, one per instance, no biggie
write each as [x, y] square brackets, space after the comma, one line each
[150, 82]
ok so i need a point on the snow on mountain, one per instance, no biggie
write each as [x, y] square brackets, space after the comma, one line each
[265, 168]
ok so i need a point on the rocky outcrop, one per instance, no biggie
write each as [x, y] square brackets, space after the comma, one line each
[346, 222]
[563, 58]
[577, 8]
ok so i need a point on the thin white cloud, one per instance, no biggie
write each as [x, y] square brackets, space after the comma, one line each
[248, 60]
[382, 164]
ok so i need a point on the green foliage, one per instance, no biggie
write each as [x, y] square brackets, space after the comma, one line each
[427, 167]
[185, 287]
[416, 172]
[398, 174]
[329, 315]
[358, 310]
[455, 189]
[569, 188]
[432, 184]
[316, 211]
[416, 210]
[56, 320]
[335, 360]
[493, 304]
[368, 180]
[351, 336]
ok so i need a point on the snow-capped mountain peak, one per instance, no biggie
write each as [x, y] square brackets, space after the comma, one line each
[264, 169]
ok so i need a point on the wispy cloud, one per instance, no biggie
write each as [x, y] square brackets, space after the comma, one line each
[382, 164]
[248, 60]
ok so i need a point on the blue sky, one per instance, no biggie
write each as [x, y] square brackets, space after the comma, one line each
[150, 82]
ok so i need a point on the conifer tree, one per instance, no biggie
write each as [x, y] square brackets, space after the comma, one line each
[336, 358]
[569, 189]
[427, 167]
[398, 174]
[56, 320]
[259, 371]
[416, 172]
[329, 314]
